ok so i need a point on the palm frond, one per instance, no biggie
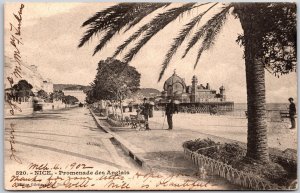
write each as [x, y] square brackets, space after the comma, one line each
[202, 31]
[104, 20]
[157, 24]
[211, 31]
[130, 39]
[101, 16]
[148, 9]
[115, 18]
[103, 41]
[180, 38]
[86, 36]
[136, 35]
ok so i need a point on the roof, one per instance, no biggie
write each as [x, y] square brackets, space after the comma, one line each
[172, 80]
[222, 88]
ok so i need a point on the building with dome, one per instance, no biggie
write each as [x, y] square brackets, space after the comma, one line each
[196, 94]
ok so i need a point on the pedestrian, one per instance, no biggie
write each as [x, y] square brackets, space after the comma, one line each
[170, 110]
[110, 110]
[292, 112]
[146, 112]
[151, 105]
[119, 113]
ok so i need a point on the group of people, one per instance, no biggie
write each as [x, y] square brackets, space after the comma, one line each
[147, 112]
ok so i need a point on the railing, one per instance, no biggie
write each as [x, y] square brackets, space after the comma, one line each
[246, 180]
[272, 115]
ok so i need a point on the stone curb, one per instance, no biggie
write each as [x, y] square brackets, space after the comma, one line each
[130, 149]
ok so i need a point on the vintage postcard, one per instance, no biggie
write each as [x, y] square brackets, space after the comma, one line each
[150, 96]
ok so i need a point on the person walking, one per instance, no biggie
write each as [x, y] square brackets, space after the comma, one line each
[170, 110]
[292, 112]
[146, 112]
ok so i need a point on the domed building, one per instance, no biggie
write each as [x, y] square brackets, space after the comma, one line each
[176, 88]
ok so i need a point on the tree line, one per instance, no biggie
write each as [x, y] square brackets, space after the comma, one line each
[23, 90]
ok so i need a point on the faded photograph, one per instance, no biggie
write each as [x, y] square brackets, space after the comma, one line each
[150, 96]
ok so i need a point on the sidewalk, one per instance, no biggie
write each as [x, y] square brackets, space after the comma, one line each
[29, 113]
[161, 150]
[228, 127]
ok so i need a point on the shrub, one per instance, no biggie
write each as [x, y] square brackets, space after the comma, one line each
[281, 170]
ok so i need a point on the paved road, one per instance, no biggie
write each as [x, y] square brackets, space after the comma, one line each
[65, 137]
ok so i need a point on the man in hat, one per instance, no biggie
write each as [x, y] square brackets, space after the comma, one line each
[292, 112]
[146, 111]
[170, 110]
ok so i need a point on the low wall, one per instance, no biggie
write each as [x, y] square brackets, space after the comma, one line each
[47, 106]
[27, 108]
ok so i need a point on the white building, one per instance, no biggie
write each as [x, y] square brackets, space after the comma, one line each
[48, 86]
[79, 94]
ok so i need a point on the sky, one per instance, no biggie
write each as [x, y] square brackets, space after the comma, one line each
[51, 33]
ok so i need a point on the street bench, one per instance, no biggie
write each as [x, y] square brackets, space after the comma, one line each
[285, 115]
[126, 121]
[137, 122]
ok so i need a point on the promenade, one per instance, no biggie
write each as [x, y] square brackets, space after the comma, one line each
[228, 127]
[161, 150]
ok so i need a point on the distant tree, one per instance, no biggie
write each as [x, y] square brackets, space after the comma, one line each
[70, 99]
[42, 94]
[22, 89]
[90, 95]
[115, 80]
[57, 95]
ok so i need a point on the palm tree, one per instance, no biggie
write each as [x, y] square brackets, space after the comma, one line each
[269, 42]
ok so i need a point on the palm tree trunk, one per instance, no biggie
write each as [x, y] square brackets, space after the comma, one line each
[257, 143]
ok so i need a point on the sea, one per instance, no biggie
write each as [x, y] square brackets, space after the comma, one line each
[273, 110]
[270, 106]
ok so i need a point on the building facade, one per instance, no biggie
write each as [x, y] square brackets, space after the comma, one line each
[176, 88]
[47, 86]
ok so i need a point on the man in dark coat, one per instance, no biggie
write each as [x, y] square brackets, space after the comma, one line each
[146, 112]
[170, 110]
[292, 112]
